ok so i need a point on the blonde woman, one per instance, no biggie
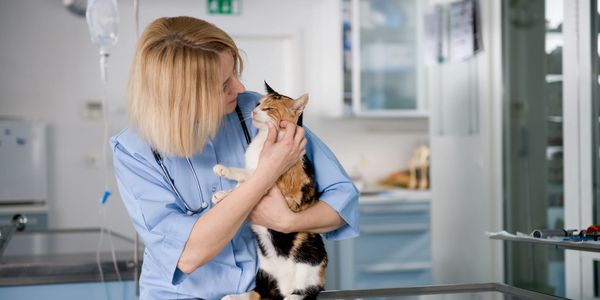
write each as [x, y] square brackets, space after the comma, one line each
[185, 102]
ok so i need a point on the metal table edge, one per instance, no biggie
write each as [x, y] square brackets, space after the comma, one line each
[438, 289]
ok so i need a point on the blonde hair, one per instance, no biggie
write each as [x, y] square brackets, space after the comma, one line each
[176, 99]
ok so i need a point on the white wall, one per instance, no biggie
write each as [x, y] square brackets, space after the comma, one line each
[467, 161]
[49, 69]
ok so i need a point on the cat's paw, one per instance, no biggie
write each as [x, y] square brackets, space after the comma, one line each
[218, 196]
[220, 170]
[293, 297]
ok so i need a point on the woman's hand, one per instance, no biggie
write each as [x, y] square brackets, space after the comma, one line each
[273, 212]
[277, 157]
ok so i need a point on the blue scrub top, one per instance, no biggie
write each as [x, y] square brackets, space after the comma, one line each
[160, 217]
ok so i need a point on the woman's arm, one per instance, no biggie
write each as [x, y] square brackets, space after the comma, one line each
[215, 228]
[272, 212]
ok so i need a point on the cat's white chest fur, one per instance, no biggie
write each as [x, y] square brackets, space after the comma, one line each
[254, 149]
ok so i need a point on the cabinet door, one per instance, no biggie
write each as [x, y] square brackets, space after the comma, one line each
[385, 51]
[393, 249]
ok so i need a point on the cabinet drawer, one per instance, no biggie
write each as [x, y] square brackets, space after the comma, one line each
[393, 244]
[397, 213]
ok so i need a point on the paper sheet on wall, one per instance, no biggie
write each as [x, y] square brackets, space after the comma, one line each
[452, 32]
[462, 30]
[436, 35]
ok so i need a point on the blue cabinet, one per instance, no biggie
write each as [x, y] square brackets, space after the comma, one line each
[393, 250]
[114, 290]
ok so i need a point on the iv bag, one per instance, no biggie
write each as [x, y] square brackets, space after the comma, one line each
[103, 22]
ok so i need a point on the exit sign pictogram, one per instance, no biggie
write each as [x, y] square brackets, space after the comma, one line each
[224, 7]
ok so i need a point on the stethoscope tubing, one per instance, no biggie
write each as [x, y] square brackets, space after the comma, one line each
[171, 181]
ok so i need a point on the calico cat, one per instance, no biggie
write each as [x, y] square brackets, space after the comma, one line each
[292, 265]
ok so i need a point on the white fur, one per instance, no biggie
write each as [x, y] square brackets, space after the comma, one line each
[289, 275]
[254, 149]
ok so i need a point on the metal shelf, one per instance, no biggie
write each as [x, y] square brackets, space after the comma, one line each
[590, 246]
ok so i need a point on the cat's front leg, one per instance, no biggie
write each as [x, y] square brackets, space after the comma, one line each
[237, 174]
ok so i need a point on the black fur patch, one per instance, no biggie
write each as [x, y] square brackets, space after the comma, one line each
[261, 247]
[311, 251]
[282, 242]
[309, 190]
[310, 292]
[266, 286]
[269, 89]
[309, 169]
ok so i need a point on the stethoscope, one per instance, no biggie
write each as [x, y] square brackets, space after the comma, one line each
[203, 204]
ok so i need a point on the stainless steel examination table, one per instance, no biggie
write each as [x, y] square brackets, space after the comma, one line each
[46, 260]
[475, 291]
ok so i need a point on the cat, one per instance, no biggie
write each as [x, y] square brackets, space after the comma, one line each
[292, 265]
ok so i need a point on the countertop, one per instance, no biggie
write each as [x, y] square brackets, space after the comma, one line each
[63, 256]
[386, 195]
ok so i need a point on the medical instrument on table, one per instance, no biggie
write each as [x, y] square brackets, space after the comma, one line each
[545, 233]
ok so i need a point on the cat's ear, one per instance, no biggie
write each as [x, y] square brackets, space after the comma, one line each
[269, 89]
[299, 105]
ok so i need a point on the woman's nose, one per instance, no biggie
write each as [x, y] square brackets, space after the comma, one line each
[238, 87]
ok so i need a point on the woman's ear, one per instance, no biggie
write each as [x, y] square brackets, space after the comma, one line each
[299, 105]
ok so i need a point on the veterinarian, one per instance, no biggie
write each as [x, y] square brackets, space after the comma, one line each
[183, 92]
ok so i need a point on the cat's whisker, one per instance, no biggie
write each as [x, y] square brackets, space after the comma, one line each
[245, 119]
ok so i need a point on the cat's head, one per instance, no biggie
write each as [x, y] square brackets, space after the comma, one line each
[274, 107]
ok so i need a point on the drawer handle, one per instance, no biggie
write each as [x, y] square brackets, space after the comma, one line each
[395, 228]
[395, 268]
[396, 209]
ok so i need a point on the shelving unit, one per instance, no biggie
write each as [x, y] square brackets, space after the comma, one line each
[382, 59]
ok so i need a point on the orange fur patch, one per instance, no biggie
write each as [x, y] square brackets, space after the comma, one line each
[323, 271]
[291, 183]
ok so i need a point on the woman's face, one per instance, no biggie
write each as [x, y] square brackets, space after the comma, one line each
[231, 84]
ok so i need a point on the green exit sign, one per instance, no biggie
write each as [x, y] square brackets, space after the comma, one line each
[224, 7]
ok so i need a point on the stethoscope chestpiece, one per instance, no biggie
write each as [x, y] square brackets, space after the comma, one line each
[190, 212]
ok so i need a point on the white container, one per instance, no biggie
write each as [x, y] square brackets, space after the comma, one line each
[23, 161]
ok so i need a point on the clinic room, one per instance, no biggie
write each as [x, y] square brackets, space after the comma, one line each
[299, 149]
